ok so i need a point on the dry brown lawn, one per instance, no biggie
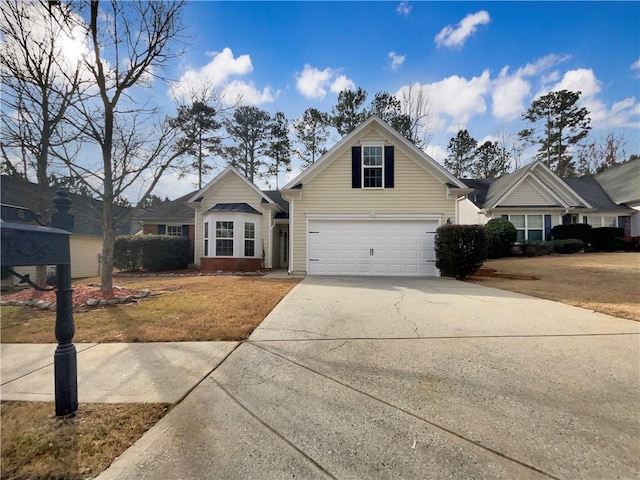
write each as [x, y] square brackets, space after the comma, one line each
[603, 282]
[203, 308]
[38, 445]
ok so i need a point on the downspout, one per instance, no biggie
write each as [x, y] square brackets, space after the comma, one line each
[272, 225]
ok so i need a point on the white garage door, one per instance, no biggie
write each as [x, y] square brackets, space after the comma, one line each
[371, 247]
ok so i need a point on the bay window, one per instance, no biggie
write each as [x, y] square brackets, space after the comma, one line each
[224, 239]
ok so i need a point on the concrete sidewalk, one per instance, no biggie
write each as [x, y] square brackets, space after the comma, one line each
[409, 378]
[112, 372]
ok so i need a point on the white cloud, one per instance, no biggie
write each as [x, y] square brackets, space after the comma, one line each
[396, 60]
[636, 65]
[403, 8]
[623, 113]
[451, 36]
[508, 95]
[246, 94]
[342, 83]
[455, 97]
[218, 74]
[313, 83]
[436, 152]
[542, 64]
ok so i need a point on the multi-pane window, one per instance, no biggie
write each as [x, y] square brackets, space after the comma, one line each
[372, 167]
[528, 227]
[206, 239]
[249, 239]
[175, 230]
[224, 239]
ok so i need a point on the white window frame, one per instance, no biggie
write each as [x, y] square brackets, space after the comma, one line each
[205, 245]
[527, 228]
[247, 239]
[226, 239]
[238, 220]
[177, 230]
[380, 167]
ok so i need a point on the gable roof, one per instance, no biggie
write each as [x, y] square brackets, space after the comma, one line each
[622, 183]
[87, 211]
[173, 210]
[417, 155]
[230, 170]
[589, 188]
[494, 192]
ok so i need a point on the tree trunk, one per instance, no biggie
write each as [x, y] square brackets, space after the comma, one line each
[108, 240]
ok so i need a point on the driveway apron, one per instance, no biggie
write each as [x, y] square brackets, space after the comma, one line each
[353, 377]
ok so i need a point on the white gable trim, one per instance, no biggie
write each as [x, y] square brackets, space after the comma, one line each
[230, 170]
[537, 180]
[414, 153]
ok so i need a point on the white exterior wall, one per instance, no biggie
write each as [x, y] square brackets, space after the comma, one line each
[415, 192]
[469, 214]
[635, 221]
[231, 189]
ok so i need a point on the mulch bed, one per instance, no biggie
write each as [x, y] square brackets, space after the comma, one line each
[81, 293]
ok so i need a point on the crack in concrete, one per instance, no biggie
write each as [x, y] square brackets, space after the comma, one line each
[404, 317]
[293, 330]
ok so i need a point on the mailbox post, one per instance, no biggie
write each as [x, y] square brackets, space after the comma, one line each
[27, 245]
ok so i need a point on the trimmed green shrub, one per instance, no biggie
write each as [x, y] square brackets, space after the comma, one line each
[127, 253]
[501, 234]
[460, 249]
[581, 231]
[570, 245]
[539, 249]
[607, 239]
[154, 253]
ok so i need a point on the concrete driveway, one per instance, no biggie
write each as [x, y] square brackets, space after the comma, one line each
[410, 378]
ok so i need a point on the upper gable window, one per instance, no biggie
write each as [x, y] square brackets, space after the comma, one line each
[372, 166]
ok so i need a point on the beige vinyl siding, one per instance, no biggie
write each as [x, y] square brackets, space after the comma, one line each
[635, 222]
[528, 194]
[330, 192]
[230, 189]
[85, 253]
[469, 214]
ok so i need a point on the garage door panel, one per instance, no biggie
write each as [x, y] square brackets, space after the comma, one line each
[338, 247]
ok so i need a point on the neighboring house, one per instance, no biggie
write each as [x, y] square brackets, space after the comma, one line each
[622, 184]
[370, 206]
[238, 226]
[170, 218]
[86, 237]
[535, 200]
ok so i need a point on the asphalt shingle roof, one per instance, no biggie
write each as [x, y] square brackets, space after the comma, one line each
[173, 210]
[87, 211]
[622, 183]
[589, 189]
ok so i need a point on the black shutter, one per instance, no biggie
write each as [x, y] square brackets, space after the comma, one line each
[356, 167]
[162, 229]
[388, 166]
[185, 231]
[547, 227]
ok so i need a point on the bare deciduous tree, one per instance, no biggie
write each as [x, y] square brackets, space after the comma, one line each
[40, 75]
[131, 43]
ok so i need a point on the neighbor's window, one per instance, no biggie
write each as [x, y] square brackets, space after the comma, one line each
[528, 227]
[372, 166]
[249, 239]
[175, 230]
[609, 221]
[224, 239]
[206, 239]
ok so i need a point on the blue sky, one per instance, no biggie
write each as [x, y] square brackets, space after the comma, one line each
[480, 63]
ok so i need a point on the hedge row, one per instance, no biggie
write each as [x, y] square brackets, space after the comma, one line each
[153, 253]
[601, 239]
